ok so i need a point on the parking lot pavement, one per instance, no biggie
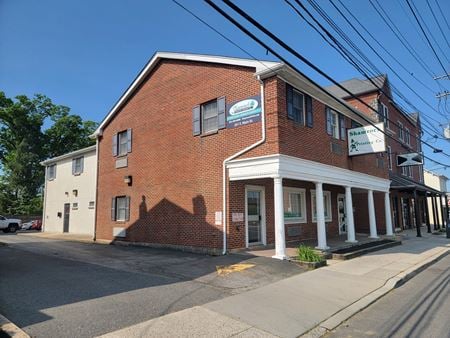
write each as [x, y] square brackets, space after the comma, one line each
[57, 288]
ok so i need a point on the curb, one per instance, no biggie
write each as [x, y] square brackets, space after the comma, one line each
[394, 282]
[10, 329]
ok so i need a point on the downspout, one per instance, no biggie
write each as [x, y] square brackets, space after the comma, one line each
[96, 188]
[239, 153]
[44, 202]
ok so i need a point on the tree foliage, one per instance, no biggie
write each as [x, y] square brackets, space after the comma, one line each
[31, 130]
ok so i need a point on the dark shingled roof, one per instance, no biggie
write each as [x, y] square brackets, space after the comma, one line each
[357, 86]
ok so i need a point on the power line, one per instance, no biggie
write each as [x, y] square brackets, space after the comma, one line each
[344, 52]
[426, 37]
[299, 56]
[401, 38]
[442, 14]
[437, 22]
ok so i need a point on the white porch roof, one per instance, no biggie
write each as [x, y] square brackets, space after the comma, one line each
[279, 165]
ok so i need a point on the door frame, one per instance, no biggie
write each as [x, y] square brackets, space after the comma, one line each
[345, 214]
[64, 218]
[262, 190]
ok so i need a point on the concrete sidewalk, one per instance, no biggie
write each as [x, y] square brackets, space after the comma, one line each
[310, 303]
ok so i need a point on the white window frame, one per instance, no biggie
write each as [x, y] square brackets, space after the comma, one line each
[77, 162]
[404, 171]
[302, 193]
[326, 204]
[51, 175]
[401, 134]
[335, 127]
[410, 172]
[389, 153]
[216, 117]
[385, 112]
[301, 117]
[124, 208]
[122, 143]
[407, 136]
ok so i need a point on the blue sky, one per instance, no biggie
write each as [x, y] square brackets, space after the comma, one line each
[84, 54]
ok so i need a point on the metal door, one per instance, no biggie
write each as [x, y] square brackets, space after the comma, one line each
[66, 217]
[254, 216]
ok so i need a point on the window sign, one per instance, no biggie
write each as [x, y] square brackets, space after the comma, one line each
[366, 140]
[244, 112]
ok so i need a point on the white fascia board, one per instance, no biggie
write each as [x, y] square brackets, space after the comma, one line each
[69, 155]
[257, 64]
[279, 165]
[303, 84]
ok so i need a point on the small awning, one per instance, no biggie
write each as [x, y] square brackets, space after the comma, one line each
[406, 184]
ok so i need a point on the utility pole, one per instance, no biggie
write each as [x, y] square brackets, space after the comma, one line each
[439, 96]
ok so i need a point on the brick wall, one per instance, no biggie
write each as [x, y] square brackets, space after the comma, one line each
[177, 177]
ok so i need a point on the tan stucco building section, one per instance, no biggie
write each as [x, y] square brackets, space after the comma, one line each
[70, 192]
[439, 183]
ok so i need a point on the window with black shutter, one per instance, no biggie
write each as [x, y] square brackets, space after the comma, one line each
[295, 104]
[209, 116]
[121, 144]
[120, 208]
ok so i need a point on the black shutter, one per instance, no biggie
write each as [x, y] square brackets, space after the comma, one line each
[114, 145]
[328, 120]
[113, 209]
[289, 102]
[309, 111]
[196, 120]
[342, 127]
[221, 112]
[127, 208]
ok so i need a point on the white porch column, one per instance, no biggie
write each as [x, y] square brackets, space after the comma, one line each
[387, 213]
[372, 218]
[349, 216]
[280, 240]
[321, 230]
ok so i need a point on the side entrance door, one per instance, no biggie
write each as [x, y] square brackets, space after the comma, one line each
[255, 220]
[66, 217]
[341, 214]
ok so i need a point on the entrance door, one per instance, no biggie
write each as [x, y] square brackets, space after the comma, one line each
[341, 214]
[66, 217]
[406, 213]
[255, 211]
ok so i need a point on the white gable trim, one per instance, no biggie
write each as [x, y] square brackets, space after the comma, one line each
[257, 64]
[279, 165]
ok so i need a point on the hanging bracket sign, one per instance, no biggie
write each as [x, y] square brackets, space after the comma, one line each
[366, 140]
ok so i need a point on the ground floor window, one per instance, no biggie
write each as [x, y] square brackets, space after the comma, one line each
[326, 205]
[120, 208]
[294, 202]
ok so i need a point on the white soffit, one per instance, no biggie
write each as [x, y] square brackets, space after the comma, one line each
[303, 170]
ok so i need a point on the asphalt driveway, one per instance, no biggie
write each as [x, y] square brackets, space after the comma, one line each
[57, 288]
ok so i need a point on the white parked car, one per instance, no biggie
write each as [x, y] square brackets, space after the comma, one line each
[27, 225]
[9, 224]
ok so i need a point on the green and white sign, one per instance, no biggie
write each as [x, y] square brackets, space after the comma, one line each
[366, 140]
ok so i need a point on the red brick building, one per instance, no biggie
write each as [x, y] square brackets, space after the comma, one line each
[405, 130]
[210, 153]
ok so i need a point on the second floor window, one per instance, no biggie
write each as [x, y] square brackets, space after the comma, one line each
[51, 172]
[335, 124]
[77, 165]
[400, 131]
[385, 115]
[121, 144]
[208, 117]
[299, 106]
[407, 136]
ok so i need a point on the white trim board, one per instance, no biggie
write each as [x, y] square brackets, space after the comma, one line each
[285, 166]
[257, 64]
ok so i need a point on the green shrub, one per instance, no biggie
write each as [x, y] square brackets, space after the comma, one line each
[307, 254]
